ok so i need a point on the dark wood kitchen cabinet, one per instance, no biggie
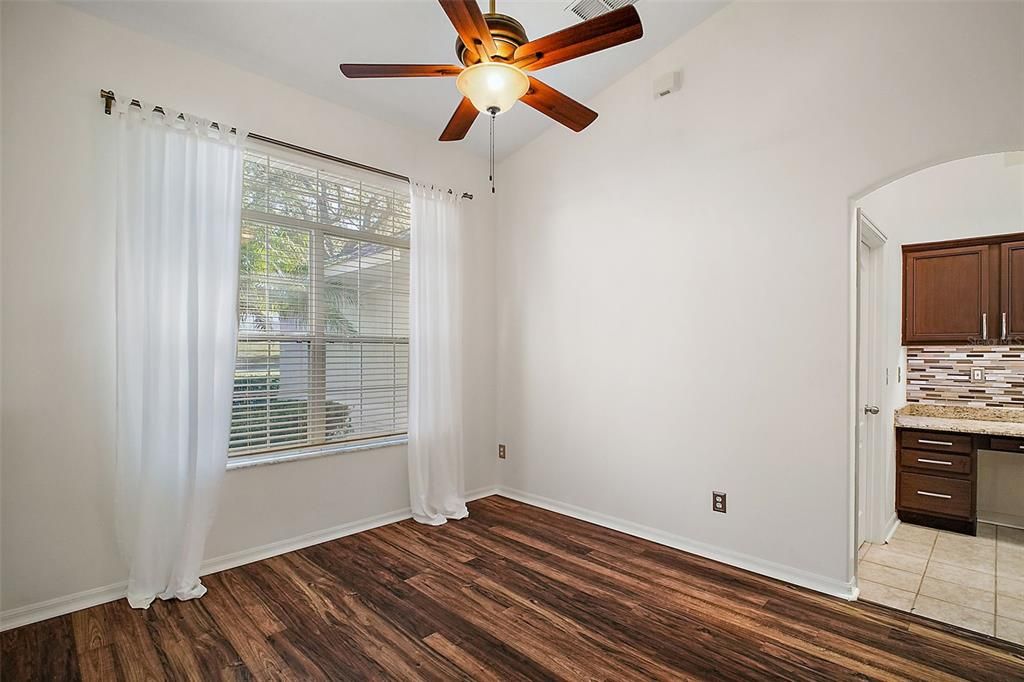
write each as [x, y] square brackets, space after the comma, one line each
[1011, 300]
[948, 294]
[937, 478]
[937, 475]
[967, 291]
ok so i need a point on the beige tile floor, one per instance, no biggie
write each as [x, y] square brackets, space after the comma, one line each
[974, 582]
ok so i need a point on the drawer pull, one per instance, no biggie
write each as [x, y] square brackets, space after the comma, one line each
[934, 442]
[934, 461]
[928, 494]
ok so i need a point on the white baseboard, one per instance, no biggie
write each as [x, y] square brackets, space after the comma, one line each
[481, 493]
[1000, 519]
[249, 555]
[890, 528]
[59, 606]
[770, 569]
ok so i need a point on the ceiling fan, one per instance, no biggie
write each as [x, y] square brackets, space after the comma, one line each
[496, 55]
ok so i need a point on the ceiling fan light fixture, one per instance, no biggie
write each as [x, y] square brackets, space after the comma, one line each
[497, 55]
[493, 87]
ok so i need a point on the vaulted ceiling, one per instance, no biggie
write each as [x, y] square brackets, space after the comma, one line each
[302, 43]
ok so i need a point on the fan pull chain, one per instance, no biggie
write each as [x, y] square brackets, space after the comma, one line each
[492, 152]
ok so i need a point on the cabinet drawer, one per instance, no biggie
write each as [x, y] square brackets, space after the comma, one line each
[935, 461]
[949, 496]
[936, 441]
[1008, 444]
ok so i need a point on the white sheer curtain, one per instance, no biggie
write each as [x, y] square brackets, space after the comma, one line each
[178, 213]
[435, 358]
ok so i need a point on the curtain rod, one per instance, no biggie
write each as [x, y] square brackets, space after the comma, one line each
[108, 99]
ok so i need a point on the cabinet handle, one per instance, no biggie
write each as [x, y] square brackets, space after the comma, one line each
[934, 442]
[928, 494]
[1003, 337]
[938, 461]
[984, 326]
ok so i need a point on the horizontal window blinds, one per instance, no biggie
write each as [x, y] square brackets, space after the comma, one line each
[323, 328]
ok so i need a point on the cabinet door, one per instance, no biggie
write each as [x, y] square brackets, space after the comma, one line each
[1011, 298]
[947, 295]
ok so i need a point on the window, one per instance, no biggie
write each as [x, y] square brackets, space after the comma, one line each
[323, 328]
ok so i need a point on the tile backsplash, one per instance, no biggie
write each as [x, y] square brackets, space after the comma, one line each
[941, 375]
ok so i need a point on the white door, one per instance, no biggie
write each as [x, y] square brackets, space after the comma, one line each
[871, 380]
[863, 386]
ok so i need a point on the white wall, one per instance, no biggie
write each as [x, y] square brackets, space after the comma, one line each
[972, 197]
[58, 299]
[674, 283]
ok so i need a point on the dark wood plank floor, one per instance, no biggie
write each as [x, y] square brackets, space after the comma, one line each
[512, 592]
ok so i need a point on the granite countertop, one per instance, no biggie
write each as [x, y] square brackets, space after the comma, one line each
[990, 421]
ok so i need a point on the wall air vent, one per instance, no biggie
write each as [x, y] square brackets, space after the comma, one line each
[588, 9]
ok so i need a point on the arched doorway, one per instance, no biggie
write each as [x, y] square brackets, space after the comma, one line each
[909, 568]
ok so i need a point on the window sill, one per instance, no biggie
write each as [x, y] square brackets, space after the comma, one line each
[247, 461]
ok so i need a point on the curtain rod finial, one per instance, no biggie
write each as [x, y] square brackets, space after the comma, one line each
[108, 99]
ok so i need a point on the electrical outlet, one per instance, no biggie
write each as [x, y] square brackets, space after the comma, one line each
[501, 451]
[977, 375]
[718, 501]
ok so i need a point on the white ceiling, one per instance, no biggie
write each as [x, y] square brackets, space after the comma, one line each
[301, 43]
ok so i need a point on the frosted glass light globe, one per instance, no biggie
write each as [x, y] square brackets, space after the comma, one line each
[493, 87]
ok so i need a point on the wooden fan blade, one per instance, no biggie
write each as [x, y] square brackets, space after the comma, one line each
[599, 33]
[460, 122]
[471, 26]
[400, 70]
[562, 108]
